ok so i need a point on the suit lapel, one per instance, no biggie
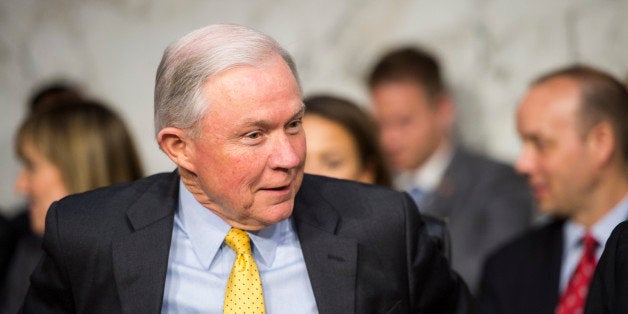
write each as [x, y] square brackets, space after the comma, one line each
[441, 202]
[556, 256]
[331, 260]
[548, 265]
[140, 259]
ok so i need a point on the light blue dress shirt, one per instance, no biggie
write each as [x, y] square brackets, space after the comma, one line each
[573, 234]
[200, 262]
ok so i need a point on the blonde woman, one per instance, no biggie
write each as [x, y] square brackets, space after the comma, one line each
[70, 148]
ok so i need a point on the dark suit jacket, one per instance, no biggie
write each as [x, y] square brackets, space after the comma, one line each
[523, 276]
[485, 204]
[365, 249]
[6, 246]
[11, 231]
[608, 292]
[13, 290]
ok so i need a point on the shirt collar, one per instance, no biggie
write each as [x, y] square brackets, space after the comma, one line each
[428, 176]
[207, 231]
[601, 230]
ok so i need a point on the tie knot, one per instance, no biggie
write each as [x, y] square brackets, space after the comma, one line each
[417, 194]
[238, 240]
[589, 242]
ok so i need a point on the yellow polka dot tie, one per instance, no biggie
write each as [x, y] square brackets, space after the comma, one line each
[244, 287]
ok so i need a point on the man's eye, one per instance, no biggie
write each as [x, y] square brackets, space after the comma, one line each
[28, 165]
[541, 145]
[253, 135]
[295, 124]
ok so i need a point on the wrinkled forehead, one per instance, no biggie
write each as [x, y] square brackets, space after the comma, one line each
[269, 80]
[268, 89]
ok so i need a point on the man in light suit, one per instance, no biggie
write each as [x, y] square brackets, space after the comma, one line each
[228, 112]
[483, 201]
[574, 126]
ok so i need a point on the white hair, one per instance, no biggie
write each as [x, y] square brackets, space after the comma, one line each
[196, 57]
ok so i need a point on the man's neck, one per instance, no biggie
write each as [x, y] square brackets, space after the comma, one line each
[428, 175]
[607, 195]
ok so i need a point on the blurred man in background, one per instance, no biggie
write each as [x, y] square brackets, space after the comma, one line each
[574, 127]
[484, 202]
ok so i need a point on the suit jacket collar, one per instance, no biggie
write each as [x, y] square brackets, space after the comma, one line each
[441, 201]
[331, 260]
[140, 258]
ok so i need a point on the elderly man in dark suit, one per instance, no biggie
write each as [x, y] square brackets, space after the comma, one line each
[574, 127]
[238, 228]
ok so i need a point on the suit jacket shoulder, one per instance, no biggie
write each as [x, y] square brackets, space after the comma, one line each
[485, 204]
[367, 251]
[100, 245]
[477, 178]
[522, 276]
[608, 293]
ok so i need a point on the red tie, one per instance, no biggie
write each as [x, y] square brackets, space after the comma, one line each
[573, 299]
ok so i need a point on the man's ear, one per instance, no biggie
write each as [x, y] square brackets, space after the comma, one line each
[446, 110]
[602, 142]
[179, 147]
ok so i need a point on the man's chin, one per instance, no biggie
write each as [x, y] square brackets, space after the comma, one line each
[271, 215]
[280, 212]
[551, 209]
[403, 167]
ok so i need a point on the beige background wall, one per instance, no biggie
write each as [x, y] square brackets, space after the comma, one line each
[490, 50]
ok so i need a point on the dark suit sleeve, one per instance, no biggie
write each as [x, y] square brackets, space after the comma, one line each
[50, 290]
[608, 292]
[434, 287]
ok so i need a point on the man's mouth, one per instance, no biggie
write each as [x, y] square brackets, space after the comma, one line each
[279, 188]
[539, 191]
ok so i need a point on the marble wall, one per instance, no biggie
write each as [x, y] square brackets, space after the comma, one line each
[490, 50]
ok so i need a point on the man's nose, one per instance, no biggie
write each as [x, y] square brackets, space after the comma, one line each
[525, 162]
[389, 136]
[286, 153]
